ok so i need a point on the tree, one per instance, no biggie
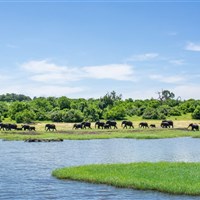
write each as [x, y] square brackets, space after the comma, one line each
[64, 102]
[17, 107]
[116, 112]
[26, 116]
[196, 113]
[165, 95]
[109, 99]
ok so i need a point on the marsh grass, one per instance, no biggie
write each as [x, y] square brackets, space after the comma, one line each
[175, 178]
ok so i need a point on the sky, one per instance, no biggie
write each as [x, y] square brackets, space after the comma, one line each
[85, 49]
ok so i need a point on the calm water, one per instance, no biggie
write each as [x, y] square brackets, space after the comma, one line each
[25, 168]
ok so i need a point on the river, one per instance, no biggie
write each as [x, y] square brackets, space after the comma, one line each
[25, 168]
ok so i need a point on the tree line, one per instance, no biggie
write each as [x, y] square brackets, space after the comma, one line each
[24, 109]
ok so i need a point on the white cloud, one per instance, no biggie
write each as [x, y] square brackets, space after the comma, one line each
[46, 90]
[177, 62]
[112, 71]
[187, 91]
[167, 79]
[192, 46]
[4, 77]
[42, 66]
[143, 57]
[43, 71]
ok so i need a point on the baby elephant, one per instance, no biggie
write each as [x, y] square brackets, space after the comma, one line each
[194, 127]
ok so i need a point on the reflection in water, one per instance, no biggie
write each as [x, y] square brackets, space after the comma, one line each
[25, 168]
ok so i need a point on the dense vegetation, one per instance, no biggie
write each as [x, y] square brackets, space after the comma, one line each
[22, 108]
[175, 178]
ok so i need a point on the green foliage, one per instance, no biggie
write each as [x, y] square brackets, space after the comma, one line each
[196, 113]
[18, 107]
[64, 103]
[117, 113]
[109, 99]
[174, 112]
[41, 104]
[150, 113]
[14, 97]
[4, 109]
[25, 116]
[110, 106]
[57, 116]
[73, 116]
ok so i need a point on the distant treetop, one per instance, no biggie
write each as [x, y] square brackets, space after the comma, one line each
[11, 97]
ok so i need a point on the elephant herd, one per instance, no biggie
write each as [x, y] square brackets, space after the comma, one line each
[25, 127]
[9, 127]
[125, 124]
[128, 124]
[99, 124]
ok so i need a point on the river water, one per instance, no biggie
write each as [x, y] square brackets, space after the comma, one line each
[25, 168]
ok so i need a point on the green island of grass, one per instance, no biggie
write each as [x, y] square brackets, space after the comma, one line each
[170, 177]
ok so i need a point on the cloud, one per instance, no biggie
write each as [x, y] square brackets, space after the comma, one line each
[112, 71]
[45, 90]
[167, 79]
[42, 66]
[143, 57]
[44, 71]
[187, 91]
[177, 62]
[192, 46]
[4, 77]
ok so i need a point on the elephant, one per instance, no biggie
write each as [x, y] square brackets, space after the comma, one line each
[194, 127]
[143, 125]
[106, 126]
[152, 125]
[25, 127]
[32, 128]
[49, 127]
[8, 127]
[170, 122]
[165, 124]
[86, 124]
[112, 123]
[99, 124]
[127, 123]
[77, 126]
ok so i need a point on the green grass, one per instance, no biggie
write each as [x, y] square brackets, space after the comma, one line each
[100, 134]
[175, 178]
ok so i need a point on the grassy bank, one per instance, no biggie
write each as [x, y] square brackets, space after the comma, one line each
[65, 131]
[175, 178]
[99, 134]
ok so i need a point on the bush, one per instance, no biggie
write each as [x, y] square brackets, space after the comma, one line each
[175, 112]
[196, 113]
[73, 116]
[117, 113]
[25, 116]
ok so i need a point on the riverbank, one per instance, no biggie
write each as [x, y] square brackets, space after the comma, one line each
[99, 134]
[168, 177]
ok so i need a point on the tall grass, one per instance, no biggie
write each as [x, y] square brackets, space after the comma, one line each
[174, 178]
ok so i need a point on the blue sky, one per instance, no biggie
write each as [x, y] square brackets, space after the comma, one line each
[86, 49]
